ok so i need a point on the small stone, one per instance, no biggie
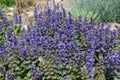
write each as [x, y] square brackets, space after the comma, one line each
[24, 26]
[11, 9]
[30, 14]
[9, 14]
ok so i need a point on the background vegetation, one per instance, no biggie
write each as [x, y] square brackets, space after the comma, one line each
[5, 3]
[105, 10]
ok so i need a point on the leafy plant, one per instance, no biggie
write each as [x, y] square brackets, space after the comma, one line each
[4, 3]
[77, 10]
[5, 25]
[105, 10]
[59, 47]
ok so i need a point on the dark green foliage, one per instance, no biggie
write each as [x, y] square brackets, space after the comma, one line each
[4, 3]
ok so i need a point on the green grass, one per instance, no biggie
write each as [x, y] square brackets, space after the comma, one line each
[105, 10]
[5, 3]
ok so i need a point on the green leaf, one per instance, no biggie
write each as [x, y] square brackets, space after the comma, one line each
[116, 79]
[1, 75]
[41, 59]
[17, 68]
[69, 67]
[48, 77]
[28, 74]
[19, 78]
[64, 72]
[72, 77]
[54, 77]
[46, 73]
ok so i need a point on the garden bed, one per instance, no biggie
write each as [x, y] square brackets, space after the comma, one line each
[57, 46]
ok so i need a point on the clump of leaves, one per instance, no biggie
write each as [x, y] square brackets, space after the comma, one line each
[105, 10]
[4, 3]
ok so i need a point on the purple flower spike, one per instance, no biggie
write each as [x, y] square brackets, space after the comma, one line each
[65, 78]
[36, 73]
[9, 76]
[32, 66]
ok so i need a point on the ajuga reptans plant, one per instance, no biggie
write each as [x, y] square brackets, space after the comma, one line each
[58, 47]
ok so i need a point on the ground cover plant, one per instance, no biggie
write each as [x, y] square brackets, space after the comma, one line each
[4, 3]
[104, 10]
[58, 47]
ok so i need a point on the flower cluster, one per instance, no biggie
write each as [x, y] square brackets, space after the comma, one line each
[57, 46]
[9, 76]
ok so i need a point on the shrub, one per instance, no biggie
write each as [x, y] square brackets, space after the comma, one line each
[105, 10]
[59, 47]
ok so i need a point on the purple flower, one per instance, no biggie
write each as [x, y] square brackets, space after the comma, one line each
[23, 52]
[116, 60]
[65, 78]
[0, 28]
[32, 66]
[64, 12]
[61, 45]
[8, 34]
[80, 18]
[2, 50]
[15, 17]
[9, 76]
[61, 48]
[89, 62]
[36, 73]
[19, 19]
[1, 14]
[57, 67]
[6, 23]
